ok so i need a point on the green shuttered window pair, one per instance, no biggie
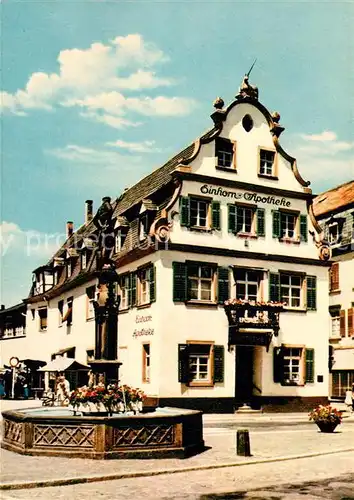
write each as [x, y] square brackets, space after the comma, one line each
[285, 225]
[139, 286]
[187, 355]
[279, 293]
[195, 212]
[280, 366]
[242, 219]
[182, 279]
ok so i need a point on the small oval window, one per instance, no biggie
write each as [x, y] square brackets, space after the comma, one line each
[247, 123]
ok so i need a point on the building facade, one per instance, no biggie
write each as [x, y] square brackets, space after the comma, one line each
[334, 210]
[223, 276]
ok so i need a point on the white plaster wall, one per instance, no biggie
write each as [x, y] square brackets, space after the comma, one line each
[182, 323]
[345, 298]
[224, 239]
[139, 325]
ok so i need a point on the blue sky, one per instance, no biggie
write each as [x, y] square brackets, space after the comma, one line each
[97, 94]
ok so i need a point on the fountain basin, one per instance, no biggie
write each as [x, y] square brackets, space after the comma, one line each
[166, 432]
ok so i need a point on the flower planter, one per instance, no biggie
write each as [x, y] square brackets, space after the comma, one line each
[326, 426]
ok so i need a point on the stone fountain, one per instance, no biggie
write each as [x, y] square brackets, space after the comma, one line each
[162, 433]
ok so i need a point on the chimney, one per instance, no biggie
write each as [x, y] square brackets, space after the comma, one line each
[106, 199]
[2, 307]
[88, 210]
[69, 229]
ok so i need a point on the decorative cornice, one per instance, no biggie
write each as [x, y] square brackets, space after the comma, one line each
[239, 254]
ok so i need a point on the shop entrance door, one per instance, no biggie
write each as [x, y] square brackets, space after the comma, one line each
[244, 374]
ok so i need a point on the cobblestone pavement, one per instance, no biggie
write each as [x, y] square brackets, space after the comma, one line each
[271, 443]
[324, 477]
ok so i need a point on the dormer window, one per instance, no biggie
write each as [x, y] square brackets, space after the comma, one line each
[267, 163]
[333, 233]
[69, 268]
[225, 153]
[144, 226]
[120, 239]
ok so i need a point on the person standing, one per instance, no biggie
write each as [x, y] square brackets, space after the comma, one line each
[63, 390]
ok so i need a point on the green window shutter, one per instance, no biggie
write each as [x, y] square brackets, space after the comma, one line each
[311, 292]
[152, 283]
[218, 363]
[183, 363]
[303, 227]
[276, 224]
[274, 287]
[132, 289]
[184, 209]
[223, 284]
[278, 367]
[260, 222]
[179, 281]
[215, 215]
[232, 218]
[310, 365]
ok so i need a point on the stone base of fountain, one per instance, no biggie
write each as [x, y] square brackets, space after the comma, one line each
[167, 432]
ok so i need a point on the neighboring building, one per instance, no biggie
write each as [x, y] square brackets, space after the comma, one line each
[12, 332]
[230, 219]
[334, 209]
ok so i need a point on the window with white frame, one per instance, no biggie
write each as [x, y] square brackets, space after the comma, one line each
[287, 225]
[199, 211]
[146, 363]
[266, 158]
[201, 282]
[244, 219]
[291, 290]
[90, 294]
[124, 285]
[247, 284]
[224, 152]
[292, 363]
[200, 363]
[144, 286]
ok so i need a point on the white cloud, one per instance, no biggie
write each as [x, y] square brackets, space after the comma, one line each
[113, 121]
[326, 135]
[91, 156]
[323, 159]
[135, 147]
[92, 78]
[15, 240]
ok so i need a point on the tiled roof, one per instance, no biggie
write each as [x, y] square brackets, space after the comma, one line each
[334, 199]
[151, 182]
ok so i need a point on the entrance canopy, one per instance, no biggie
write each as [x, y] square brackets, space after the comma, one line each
[343, 359]
[63, 364]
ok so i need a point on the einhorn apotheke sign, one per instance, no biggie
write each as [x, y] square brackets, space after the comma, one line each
[247, 196]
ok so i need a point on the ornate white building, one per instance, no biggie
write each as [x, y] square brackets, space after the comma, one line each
[228, 219]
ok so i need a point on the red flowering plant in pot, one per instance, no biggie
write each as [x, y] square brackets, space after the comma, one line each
[112, 398]
[326, 417]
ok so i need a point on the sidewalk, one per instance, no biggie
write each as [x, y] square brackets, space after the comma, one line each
[275, 444]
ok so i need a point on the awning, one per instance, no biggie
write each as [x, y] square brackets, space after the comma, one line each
[33, 363]
[343, 359]
[63, 364]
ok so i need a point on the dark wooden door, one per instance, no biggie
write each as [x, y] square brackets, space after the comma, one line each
[244, 374]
